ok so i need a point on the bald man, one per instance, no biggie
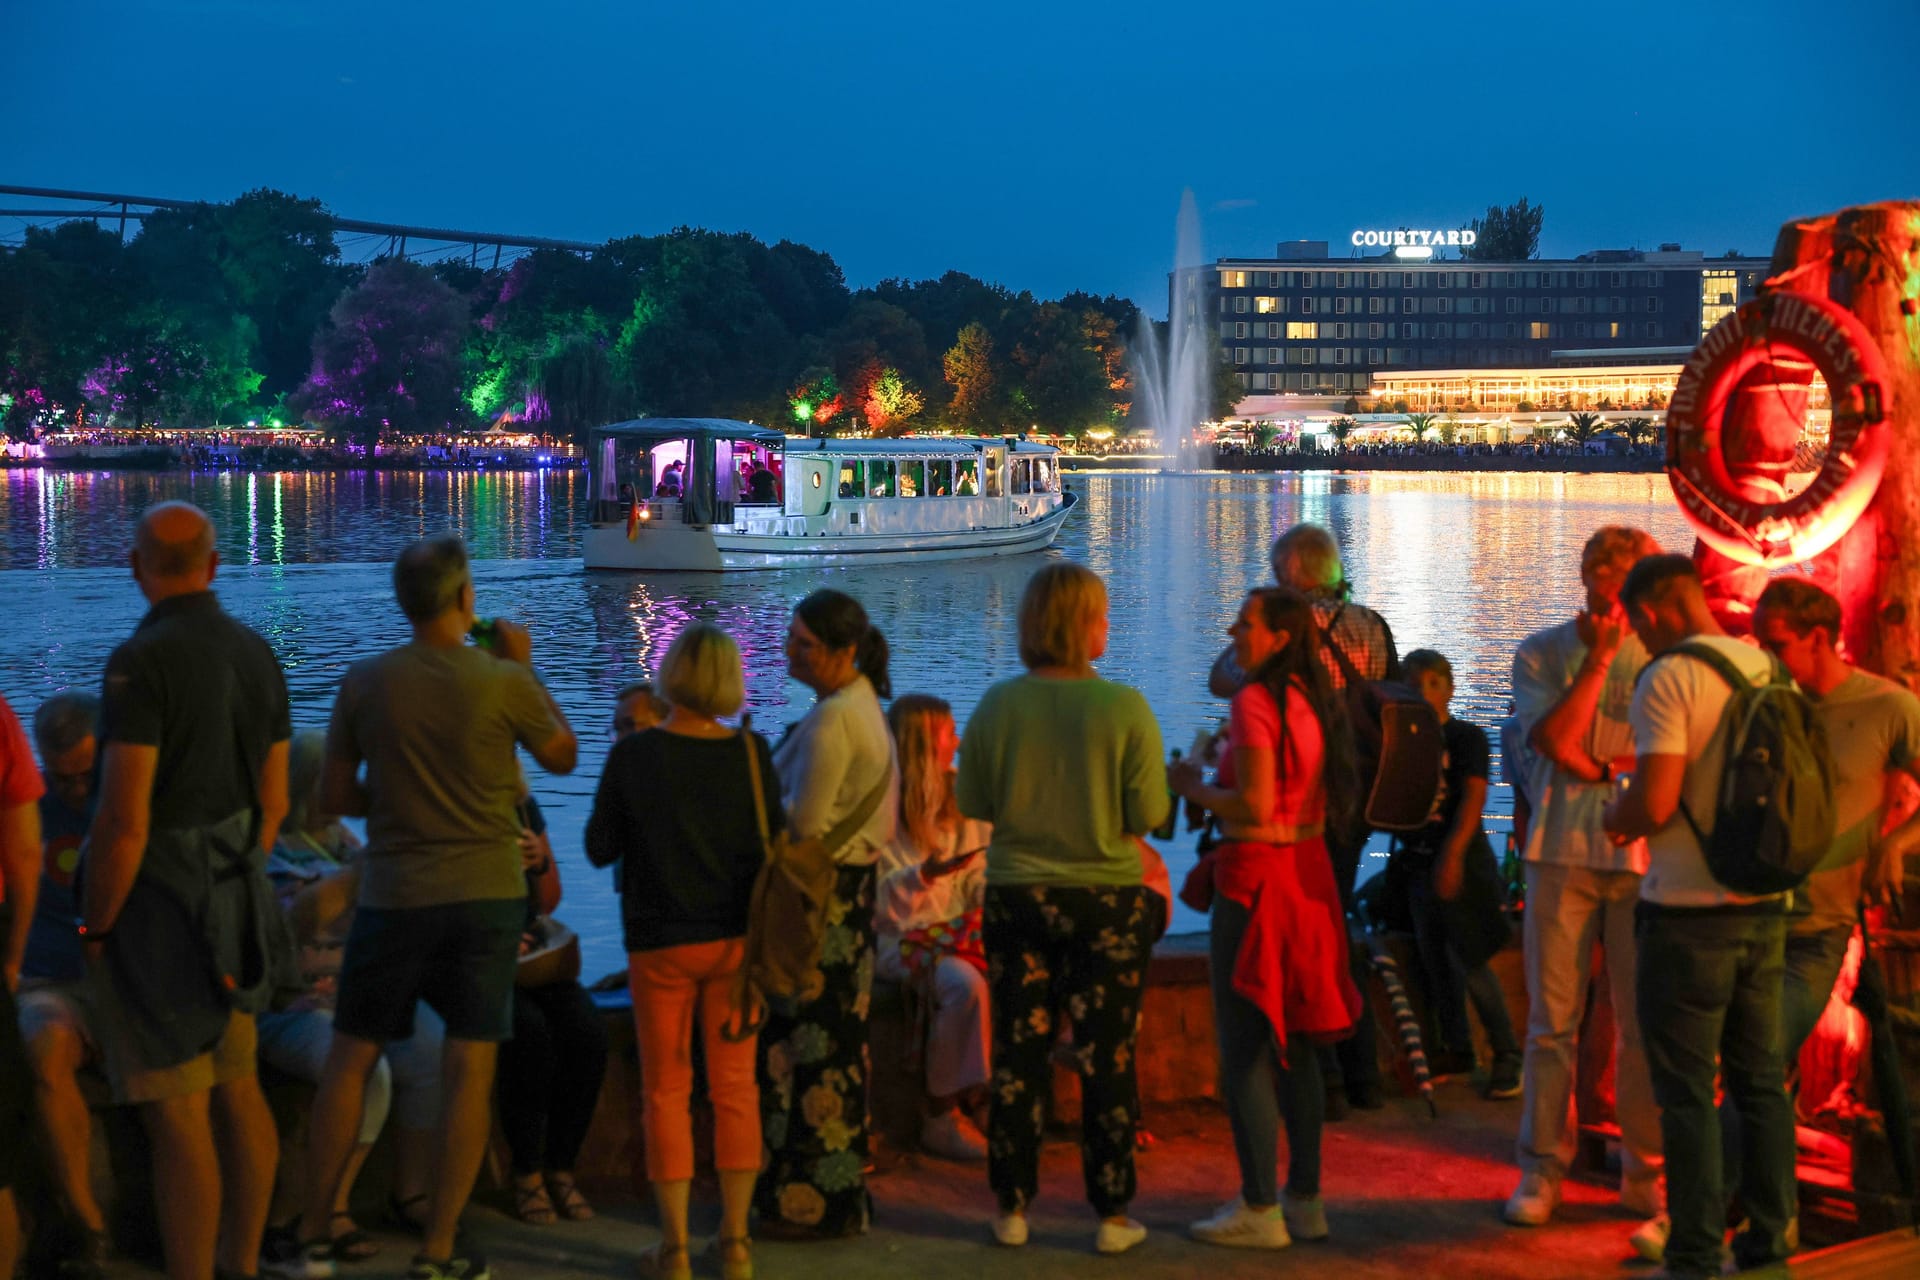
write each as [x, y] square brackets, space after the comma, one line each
[194, 728]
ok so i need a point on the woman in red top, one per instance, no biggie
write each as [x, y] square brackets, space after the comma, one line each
[1279, 941]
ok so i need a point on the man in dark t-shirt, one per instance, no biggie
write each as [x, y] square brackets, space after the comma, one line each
[19, 876]
[194, 728]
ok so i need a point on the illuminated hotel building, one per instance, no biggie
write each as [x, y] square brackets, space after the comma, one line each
[1302, 323]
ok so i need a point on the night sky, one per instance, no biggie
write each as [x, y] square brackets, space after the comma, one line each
[1040, 145]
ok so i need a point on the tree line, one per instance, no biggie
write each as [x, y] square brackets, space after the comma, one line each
[224, 313]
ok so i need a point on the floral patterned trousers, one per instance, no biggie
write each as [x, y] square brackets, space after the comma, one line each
[813, 1080]
[1078, 954]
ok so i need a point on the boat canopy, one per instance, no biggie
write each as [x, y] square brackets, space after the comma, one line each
[699, 429]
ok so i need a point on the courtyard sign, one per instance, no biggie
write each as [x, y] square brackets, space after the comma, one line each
[1460, 239]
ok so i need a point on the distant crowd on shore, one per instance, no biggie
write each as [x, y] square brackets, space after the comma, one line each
[182, 902]
[1525, 450]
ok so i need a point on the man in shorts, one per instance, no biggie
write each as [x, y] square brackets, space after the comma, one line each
[443, 895]
[20, 788]
[57, 1018]
[194, 727]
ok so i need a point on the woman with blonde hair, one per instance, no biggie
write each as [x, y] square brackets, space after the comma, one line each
[927, 918]
[1067, 768]
[672, 812]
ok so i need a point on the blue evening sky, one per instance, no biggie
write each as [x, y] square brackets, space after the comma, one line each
[1041, 145]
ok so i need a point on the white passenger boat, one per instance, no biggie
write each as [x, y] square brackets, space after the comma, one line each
[711, 494]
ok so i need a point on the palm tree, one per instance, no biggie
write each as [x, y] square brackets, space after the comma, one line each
[1418, 424]
[1340, 429]
[1639, 430]
[1264, 434]
[1582, 427]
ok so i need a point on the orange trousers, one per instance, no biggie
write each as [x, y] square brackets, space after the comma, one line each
[670, 987]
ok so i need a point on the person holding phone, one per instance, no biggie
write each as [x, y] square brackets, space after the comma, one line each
[927, 924]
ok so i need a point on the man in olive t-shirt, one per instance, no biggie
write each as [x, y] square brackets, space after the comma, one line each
[442, 897]
[1873, 730]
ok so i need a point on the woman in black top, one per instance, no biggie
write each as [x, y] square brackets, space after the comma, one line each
[675, 812]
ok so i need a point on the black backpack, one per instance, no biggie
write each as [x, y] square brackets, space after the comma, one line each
[1398, 747]
[1773, 821]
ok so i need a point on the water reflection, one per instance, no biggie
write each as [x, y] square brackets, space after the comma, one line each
[1467, 564]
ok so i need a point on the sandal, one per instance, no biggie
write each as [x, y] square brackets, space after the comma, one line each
[353, 1244]
[401, 1215]
[567, 1199]
[532, 1204]
[737, 1270]
[654, 1264]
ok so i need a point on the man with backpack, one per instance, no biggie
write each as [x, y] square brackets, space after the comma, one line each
[1357, 646]
[1572, 685]
[1711, 924]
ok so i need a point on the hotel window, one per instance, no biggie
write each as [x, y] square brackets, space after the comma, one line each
[1613, 280]
[1273, 328]
[1616, 305]
[1653, 304]
[1302, 329]
[1340, 330]
[1393, 331]
[1446, 306]
[1540, 329]
[1340, 280]
[1273, 355]
[1373, 355]
[1532, 279]
[1613, 329]
[1653, 328]
[1409, 306]
[1233, 279]
[1546, 306]
[1273, 279]
[1240, 330]
[1373, 306]
[1373, 279]
[1259, 355]
[1226, 328]
[1306, 279]
[1264, 305]
[1239, 355]
[1242, 377]
[1306, 306]
[1513, 306]
[1579, 328]
[1479, 279]
[1393, 279]
[1396, 355]
[1240, 306]
[1579, 279]
[1513, 279]
[1339, 355]
[1373, 330]
[1339, 382]
[1306, 355]
[1223, 302]
[1339, 306]
[1477, 330]
[1653, 279]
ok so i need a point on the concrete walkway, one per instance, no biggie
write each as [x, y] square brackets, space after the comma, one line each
[1407, 1196]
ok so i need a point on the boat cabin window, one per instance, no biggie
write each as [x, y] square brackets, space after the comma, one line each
[966, 478]
[913, 479]
[880, 478]
[1046, 475]
[1022, 475]
[853, 480]
[940, 478]
[993, 479]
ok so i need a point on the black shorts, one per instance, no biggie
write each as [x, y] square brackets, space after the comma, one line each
[16, 1089]
[460, 958]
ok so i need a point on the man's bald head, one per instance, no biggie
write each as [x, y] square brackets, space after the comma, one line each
[173, 547]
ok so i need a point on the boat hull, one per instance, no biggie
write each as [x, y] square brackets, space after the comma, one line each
[703, 549]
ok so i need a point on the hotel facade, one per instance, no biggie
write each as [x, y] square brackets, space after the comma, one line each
[1303, 324]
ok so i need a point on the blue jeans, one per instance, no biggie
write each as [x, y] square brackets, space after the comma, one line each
[1709, 998]
[407, 1075]
[1254, 1084]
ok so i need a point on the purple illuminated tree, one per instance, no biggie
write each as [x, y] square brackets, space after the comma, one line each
[390, 357]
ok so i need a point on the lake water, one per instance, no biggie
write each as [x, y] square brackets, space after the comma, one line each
[1464, 563]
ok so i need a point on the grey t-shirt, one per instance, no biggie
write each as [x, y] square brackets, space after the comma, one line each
[437, 728]
[1873, 727]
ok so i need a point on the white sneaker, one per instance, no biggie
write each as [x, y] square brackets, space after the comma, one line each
[1534, 1201]
[1010, 1229]
[1649, 1239]
[1237, 1226]
[1306, 1216]
[1118, 1237]
[1644, 1197]
[952, 1137]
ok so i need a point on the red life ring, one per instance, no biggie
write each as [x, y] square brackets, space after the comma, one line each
[1800, 527]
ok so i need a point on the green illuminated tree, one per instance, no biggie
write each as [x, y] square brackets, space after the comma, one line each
[891, 404]
[1509, 233]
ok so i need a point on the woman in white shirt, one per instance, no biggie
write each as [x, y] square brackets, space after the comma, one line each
[834, 766]
[932, 883]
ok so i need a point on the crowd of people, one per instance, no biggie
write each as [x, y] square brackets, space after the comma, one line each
[184, 902]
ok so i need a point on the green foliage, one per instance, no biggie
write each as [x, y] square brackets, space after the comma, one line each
[1264, 434]
[1227, 392]
[1340, 428]
[1418, 424]
[63, 298]
[1507, 234]
[390, 358]
[1448, 430]
[977, 394]
[891, 404]
[1582, 427]
[1639, 430]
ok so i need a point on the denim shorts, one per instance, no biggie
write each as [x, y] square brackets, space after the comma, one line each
[460, 958]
